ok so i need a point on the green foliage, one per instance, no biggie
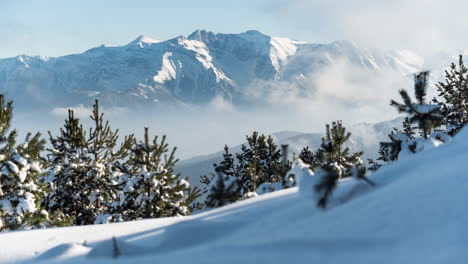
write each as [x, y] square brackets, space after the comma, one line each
[93, 179]
[21, 166]
[307, 156]
[259, 162]
[454, 97]
[334, 151]
[333, 161]
[148, 186]
[389, 150]
[328, 182]
[408, 129]
[81, 168]
[222, 189]
[216, 191]
[426, 116]
[421, 116]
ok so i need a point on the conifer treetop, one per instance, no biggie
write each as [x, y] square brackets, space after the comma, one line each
[6, 114]
[426, 115]
[453, 97]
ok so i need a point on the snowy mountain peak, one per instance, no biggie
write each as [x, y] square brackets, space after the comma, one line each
[344, 43]
[255, 36]
[143, 41]
[253, 32]
[187, 70]
[202, 36]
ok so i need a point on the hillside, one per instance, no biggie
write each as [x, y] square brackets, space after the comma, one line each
[415, 214]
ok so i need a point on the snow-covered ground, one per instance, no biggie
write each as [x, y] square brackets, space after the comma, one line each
[417, 213]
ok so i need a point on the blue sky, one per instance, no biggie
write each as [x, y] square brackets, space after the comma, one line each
[58, 27]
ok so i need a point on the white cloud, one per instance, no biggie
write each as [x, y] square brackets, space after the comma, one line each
[421, 25]
[81, 111]
[220, 104]
[340, 91]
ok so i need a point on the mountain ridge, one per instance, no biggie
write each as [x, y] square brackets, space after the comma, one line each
[190, 70]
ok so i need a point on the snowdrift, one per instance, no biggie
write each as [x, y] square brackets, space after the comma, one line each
[417, 213]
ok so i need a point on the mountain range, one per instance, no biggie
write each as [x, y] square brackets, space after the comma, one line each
[183, 71]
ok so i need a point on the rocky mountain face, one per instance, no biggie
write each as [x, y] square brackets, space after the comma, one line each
[183, 71]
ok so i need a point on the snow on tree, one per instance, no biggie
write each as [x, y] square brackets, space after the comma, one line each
[401, 145]
[389, 150]
[82, 169]
[318, 184]
[421, 116]
[149, 188]
[307, 156]
[333, 162]
[260, 161]
[20, 168]
[454, 97]
[259, 168]
[426, 116]
[333, 150]
[305, 177]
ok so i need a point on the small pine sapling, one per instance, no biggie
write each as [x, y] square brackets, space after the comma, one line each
[426, 116]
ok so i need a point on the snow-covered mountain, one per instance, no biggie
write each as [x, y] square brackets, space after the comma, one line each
[181, 71]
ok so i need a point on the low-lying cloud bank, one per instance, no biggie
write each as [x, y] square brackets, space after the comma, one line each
[338, 92]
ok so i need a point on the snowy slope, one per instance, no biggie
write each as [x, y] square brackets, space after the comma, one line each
[184, 70]
[416, 214]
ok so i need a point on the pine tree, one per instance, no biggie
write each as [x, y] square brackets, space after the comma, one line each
[333, 150]
[307, 156]
[427, 116]
[223, 186]
[389, 150]
[330, 174]
[83, 167]
[334, 162]
[228, 165]
[21, 166]
[373, 164]
[408, 129]
[222, 189]
[66, 172]
[454, 97]
[259, 162]
[288, 179]
[149, 186]
[103, 171]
